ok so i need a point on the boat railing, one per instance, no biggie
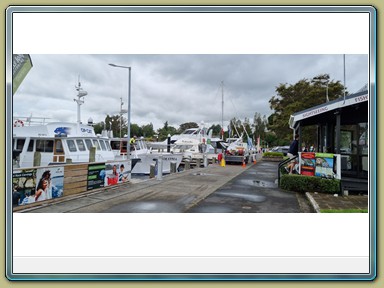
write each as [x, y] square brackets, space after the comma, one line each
[30, 121]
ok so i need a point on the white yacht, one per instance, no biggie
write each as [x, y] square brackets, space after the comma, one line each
[140, 151]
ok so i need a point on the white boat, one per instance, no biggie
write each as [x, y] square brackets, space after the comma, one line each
[57, 142]
[194, 149]
[196, 135]
[238, 151]
[146, 156]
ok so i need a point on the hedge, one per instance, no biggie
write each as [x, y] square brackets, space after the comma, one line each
[273, 154]
[300, 183]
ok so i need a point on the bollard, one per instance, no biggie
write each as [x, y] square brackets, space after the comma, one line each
[205, 160]
[198, 162]
[152, 168]
[36, 159]
[159, 175]
[187, 164]
[173, 167]
[169, 143]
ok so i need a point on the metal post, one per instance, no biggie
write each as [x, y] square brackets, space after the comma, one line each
[159, 175]
[128, 115]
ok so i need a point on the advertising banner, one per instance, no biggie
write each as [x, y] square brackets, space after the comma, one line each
[54, 177]
[35, 185]
[96, 176]
[116, 172]
[23, 186]
[21, 64]
[307, 164]
[325, 165]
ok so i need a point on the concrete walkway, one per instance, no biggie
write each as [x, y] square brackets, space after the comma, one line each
[323, 201]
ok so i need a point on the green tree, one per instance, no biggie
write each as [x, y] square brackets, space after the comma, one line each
[304, 94]
[135, 130]
[186, 126]
[165, 131]
[147, 130]
[216, 129]
[259, 126]
[114, 123]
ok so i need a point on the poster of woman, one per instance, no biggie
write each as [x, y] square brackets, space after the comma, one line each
[50, 183]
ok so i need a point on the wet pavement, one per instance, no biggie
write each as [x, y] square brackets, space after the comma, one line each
[253, 191]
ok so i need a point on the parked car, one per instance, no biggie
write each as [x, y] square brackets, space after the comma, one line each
[282, 149]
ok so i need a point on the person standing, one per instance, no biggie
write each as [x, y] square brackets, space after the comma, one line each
[293, 151]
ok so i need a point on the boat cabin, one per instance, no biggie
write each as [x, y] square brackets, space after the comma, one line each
[56, 143]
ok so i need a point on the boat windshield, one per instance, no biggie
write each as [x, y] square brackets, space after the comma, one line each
[140, 145]
[191, 131]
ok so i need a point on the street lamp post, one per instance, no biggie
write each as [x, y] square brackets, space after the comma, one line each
[128, 113]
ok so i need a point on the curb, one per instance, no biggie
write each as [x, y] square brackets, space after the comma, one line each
[314, 204]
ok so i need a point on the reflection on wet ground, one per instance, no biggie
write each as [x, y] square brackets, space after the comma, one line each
[146, 207]
[253, 191]
[246, 196]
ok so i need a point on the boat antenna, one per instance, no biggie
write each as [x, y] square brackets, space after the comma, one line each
[80, 95]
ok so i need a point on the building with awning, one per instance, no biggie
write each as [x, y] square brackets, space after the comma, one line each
[342, 128]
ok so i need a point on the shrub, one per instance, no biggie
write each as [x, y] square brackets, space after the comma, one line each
[273, 154]
[300, 183]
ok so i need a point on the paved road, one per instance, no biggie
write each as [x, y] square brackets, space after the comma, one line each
[253, 191]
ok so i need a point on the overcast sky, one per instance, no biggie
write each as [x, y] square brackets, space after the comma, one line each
[173, 88]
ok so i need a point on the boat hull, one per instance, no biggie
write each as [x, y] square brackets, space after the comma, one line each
[144, 165]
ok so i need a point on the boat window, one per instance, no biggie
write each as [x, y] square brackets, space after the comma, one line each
[30, 145]
[88, 143]
[108, 146]
[102, 144]
[20, 144]
[59, 146]
[96, 144]
[44, 145]
[71, 145]
[80, 144]
[115, 145]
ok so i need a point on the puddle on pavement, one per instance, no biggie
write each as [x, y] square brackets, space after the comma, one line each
[248, 197]
[145, 207]
[258, 183]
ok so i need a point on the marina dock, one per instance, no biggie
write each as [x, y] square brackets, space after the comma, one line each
[181, 190]
[213, 189]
